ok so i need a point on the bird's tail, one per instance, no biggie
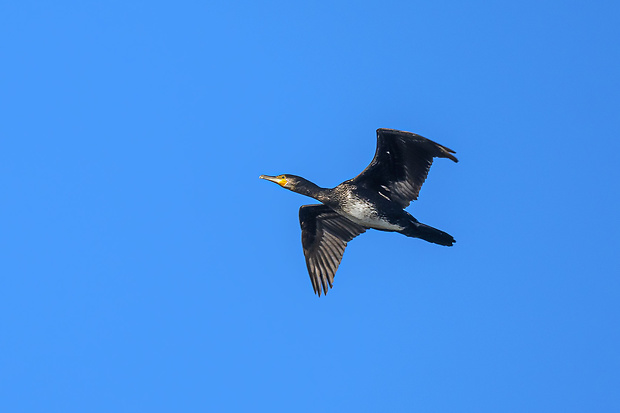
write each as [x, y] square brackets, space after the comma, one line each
[428, 233]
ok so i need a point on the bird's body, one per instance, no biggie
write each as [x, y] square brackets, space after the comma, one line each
[375, 199]
[363, 207]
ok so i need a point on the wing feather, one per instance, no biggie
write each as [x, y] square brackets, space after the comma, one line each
[324, 237]
[401, 165]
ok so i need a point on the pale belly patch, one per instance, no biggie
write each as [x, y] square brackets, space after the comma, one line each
[363, 214]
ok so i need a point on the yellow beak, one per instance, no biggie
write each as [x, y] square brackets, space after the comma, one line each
[278, 180]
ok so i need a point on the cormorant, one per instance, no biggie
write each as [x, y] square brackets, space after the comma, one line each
[376, 198]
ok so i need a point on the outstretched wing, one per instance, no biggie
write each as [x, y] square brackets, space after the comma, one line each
[400, 165]
[324, 236]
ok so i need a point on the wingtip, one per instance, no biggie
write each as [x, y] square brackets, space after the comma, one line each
[318, 291]
[447, 152]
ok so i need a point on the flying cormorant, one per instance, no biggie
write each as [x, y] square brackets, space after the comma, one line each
[376, 198]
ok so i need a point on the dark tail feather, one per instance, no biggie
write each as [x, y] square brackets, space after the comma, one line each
[430, 234]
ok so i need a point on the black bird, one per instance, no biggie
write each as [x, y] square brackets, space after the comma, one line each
[376, 198]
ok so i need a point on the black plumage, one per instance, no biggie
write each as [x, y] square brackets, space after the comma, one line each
[324, 236]
[373, 199]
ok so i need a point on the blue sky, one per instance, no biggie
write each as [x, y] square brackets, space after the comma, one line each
[145, 267]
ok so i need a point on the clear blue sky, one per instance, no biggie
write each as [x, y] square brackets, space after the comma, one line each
[146, 268]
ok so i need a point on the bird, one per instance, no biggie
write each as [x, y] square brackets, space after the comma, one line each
[376, 198]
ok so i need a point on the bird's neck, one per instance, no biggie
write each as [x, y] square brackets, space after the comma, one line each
[312, 190]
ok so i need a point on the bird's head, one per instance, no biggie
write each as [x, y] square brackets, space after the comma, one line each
[285, 181]
[297, 184]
